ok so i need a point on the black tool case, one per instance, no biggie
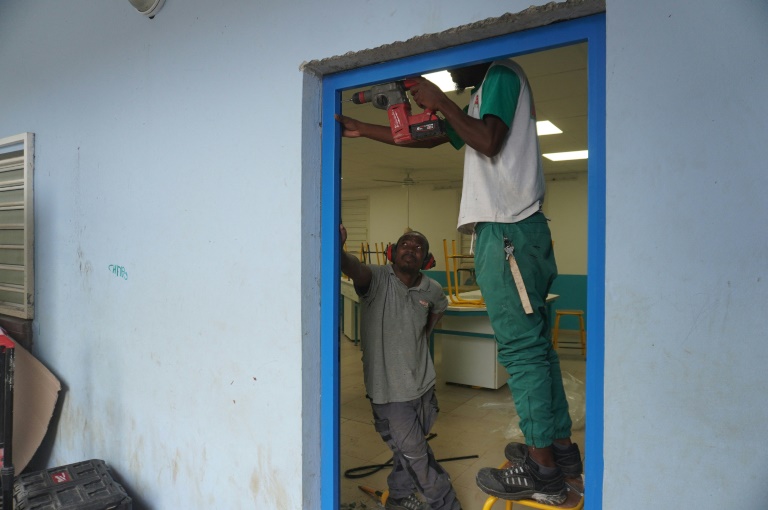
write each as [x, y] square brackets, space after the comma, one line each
[84, 485]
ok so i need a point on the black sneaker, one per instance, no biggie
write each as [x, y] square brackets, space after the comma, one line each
[411, 502]
[523, 480]
[569, 461]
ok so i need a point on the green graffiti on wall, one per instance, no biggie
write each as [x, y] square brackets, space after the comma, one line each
[118, 271]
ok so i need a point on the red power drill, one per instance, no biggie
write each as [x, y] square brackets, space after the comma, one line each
[406, 127]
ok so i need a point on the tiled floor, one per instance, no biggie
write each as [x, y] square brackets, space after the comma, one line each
[472, 421]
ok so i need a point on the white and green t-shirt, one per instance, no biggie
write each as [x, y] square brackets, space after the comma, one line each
[508, 187]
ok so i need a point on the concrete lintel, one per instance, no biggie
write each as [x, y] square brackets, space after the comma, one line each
[531, 17]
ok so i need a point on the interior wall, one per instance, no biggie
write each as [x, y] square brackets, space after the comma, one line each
[431, 212]
[565, 205]
[434, 213]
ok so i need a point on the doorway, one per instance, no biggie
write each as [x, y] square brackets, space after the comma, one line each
[588, 30]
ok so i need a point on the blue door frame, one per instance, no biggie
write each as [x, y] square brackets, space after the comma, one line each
[589, 29]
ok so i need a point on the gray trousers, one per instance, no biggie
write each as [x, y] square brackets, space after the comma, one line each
[403, 426]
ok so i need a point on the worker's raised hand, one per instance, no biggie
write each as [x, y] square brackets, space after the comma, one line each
[351, 127]
[427, 95]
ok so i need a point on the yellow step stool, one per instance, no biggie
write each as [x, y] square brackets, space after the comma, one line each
[582, 331]
[535, 504]
[383, 495]
[530, 504]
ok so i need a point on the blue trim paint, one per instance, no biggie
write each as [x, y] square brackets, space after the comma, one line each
[590, 29]
[595, 382]
[329, 293]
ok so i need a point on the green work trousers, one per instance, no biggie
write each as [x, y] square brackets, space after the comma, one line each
[524, 346]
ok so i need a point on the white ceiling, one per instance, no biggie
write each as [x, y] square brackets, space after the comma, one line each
[558, 78]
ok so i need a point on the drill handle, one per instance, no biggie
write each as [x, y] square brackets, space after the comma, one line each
[410, 82]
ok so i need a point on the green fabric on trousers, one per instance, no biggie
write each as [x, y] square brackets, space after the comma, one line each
[524, 345]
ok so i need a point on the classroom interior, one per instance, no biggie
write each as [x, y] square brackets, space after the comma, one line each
[386, 190]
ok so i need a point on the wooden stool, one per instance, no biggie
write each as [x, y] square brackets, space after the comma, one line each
[556, 327]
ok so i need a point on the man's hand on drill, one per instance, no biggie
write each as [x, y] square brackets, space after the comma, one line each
[428, 95]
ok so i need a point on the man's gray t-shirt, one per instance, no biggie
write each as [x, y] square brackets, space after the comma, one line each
[397, 365]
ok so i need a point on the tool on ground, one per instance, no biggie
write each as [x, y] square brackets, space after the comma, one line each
[377, 495]
[519, 283]
[406, 127]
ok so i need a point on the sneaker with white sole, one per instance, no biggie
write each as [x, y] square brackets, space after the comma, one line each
[411, 502]
[522, 480]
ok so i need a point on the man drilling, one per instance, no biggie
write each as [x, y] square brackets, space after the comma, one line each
[502, 197]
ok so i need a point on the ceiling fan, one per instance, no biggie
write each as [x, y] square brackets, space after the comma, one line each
[410, 181]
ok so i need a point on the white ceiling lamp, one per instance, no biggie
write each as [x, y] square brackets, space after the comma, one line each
[545, 127]
[566, 156]
[443, 80]
[148, 7]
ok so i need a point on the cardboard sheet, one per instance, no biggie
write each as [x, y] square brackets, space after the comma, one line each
[36, 390]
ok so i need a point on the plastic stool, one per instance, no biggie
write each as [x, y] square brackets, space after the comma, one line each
[556, 327]
[529, 503]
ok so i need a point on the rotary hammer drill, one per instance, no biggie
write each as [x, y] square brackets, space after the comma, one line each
[406, 127]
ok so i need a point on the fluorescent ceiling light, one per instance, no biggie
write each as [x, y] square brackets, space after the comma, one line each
[566, 156]
[443, 80]
[545, 127]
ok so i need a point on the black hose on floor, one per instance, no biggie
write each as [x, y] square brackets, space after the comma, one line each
[363, 471]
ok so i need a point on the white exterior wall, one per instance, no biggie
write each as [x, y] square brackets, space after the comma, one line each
[172, 147]
[687, 255]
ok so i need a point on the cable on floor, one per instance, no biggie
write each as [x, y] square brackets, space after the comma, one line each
[363, 471]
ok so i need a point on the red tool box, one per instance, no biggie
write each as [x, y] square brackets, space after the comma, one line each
[7, 349]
